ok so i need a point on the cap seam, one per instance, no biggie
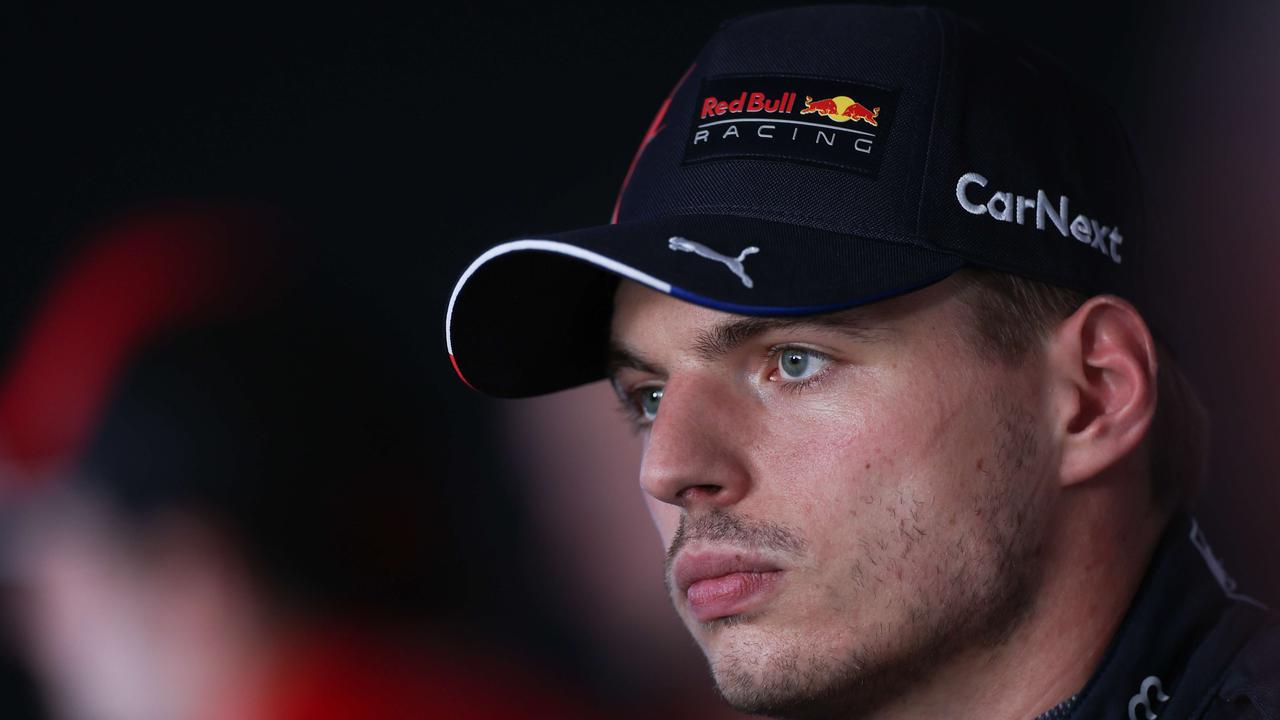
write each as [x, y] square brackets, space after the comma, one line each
[908, 239]
[806, 76]
[825, 165]
[933, 120]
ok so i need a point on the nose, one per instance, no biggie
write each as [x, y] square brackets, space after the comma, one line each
[697, 450]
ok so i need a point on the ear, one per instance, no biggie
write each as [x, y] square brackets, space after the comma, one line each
[1102, 361]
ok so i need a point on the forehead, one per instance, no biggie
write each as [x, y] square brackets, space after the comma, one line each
[644, 318]
[634, 304]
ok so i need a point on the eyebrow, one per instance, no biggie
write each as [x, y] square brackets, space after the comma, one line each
[718, 341]
[621, 356]
[724, 338]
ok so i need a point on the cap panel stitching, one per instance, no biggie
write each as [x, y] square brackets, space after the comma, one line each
[753, 212]
[934, 120]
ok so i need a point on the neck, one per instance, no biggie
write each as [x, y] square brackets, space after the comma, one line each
[1095, 557]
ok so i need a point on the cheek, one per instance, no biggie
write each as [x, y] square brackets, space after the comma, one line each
[872, 458]
[919, 420]
[801, 431]
[666, 518]
[816, 464]
[869, 428]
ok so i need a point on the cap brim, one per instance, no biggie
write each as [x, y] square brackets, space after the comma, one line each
[531, 316]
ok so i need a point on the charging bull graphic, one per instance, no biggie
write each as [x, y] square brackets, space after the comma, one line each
[734, 264]
[841, 108]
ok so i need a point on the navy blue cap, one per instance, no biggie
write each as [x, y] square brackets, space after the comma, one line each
[815, 159]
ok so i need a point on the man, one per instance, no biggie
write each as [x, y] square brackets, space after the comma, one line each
[872, 294]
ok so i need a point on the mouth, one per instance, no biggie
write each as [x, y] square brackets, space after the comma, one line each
[719, 584]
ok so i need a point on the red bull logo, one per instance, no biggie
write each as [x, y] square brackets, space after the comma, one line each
[739, 116]
[750, 102]
[841, 108]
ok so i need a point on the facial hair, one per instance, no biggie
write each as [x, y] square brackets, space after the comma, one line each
[986, 586]
[722, 527]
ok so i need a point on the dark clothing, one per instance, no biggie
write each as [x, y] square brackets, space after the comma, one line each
[1190, 646]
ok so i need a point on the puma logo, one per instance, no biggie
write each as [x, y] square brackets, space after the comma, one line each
[734, 264]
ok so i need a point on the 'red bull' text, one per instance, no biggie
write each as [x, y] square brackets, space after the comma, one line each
[748, 102]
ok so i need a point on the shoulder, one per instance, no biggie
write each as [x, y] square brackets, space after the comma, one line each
[1250, 684]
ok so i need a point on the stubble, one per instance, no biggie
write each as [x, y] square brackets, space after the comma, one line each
[982, 585]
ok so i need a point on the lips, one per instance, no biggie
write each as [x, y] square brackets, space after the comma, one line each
[721, 584]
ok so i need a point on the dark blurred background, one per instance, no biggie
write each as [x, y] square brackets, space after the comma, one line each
[401, 143]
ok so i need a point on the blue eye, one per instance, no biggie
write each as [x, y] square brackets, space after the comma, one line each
[646, 400]
[800, 364]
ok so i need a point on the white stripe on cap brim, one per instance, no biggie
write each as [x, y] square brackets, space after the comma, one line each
[551, 246]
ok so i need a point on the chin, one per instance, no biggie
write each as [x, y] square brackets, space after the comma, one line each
[794, 673]
[781, 685]
[759, 670]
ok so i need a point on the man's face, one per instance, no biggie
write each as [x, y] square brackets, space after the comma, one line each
[848, 502]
